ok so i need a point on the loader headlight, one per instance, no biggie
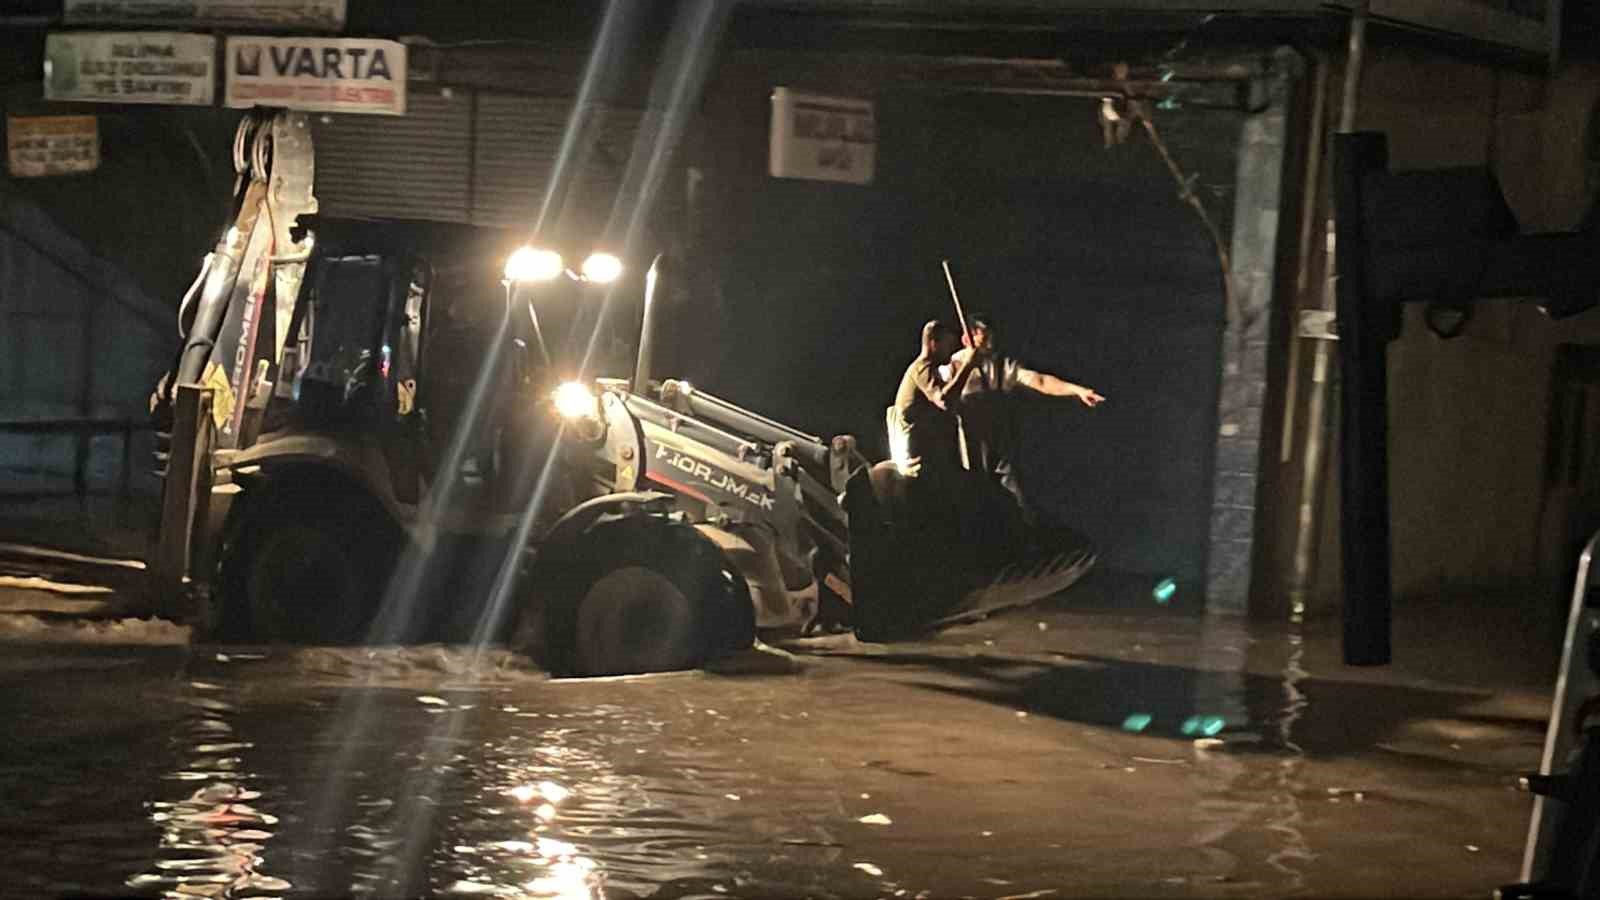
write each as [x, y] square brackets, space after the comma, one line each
[601, 268]
[534, 264]
[575, 401]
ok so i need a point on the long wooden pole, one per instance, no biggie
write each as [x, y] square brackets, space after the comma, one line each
[960, 316]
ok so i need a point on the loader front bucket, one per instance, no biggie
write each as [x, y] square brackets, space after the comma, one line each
[922, 559]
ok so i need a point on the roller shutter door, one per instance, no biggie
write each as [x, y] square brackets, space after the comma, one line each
[415, 166]
[477, 157]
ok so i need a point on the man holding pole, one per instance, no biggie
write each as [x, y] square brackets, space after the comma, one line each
[924, 404]
[987, 426]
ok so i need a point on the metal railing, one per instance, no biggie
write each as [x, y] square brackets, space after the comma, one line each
[84, 429]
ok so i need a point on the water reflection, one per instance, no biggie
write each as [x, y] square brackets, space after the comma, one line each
[213, 835]
[708, 786]
[557, 817]
[1288, 819]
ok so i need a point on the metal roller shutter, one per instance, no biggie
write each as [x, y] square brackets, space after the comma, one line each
[474, 157]
[518, 142]
[415, 166]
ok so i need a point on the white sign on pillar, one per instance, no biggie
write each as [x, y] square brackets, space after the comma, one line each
[822, 138]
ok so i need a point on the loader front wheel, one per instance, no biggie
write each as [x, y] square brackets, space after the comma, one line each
[637, 596]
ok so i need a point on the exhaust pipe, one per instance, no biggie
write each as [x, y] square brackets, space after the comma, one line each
[641, 368]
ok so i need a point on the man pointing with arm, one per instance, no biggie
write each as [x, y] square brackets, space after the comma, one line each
[988, 429]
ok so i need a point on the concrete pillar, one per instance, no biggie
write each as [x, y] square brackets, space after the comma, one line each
[1246, 341]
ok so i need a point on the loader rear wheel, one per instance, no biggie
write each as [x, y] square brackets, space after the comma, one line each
[301, 571]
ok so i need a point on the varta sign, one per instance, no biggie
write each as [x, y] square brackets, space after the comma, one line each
[327, 74]
[321, 63]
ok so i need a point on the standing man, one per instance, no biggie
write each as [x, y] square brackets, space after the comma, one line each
[925, 403]
[988, 426]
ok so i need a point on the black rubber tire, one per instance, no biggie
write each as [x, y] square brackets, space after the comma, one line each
[302, 568]
[636, 595]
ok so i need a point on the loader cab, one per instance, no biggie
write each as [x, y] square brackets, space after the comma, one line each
[394, 326]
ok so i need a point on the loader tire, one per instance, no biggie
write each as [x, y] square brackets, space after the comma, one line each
[300, 569]
[641, 595]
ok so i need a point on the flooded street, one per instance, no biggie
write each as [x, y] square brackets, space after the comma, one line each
[1059, 751]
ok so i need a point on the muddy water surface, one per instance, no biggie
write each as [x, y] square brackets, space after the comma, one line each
[1049, 753]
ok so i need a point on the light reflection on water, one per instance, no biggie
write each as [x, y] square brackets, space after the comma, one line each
[1288, 817]
[472, 798]
[212, 837]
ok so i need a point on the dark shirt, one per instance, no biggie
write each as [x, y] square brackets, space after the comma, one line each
[988, 424]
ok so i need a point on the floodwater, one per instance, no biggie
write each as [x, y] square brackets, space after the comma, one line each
[1059, 751]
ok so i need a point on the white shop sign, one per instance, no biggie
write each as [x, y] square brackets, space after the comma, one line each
[316, 15]
[357, 75]
[130, 67]
[822, 138]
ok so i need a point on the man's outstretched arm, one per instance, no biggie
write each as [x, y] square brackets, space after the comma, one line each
[1051, 386]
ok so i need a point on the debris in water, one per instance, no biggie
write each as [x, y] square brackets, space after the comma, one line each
[869, 868]
[1208, 743]
[550, 848]
[1022, 714]
[1164, 590]
[987, 833]
[1472, 848]
[1043, 627]
[432, 701]
[35, 583]
[1160, 762]
[731, 796]
[875, 819]
[1204, 725]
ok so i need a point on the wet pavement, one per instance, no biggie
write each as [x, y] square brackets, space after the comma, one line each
[1074, 749]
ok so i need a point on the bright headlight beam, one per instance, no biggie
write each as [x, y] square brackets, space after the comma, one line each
[575, 401]
[602, 268]
[534, 264]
